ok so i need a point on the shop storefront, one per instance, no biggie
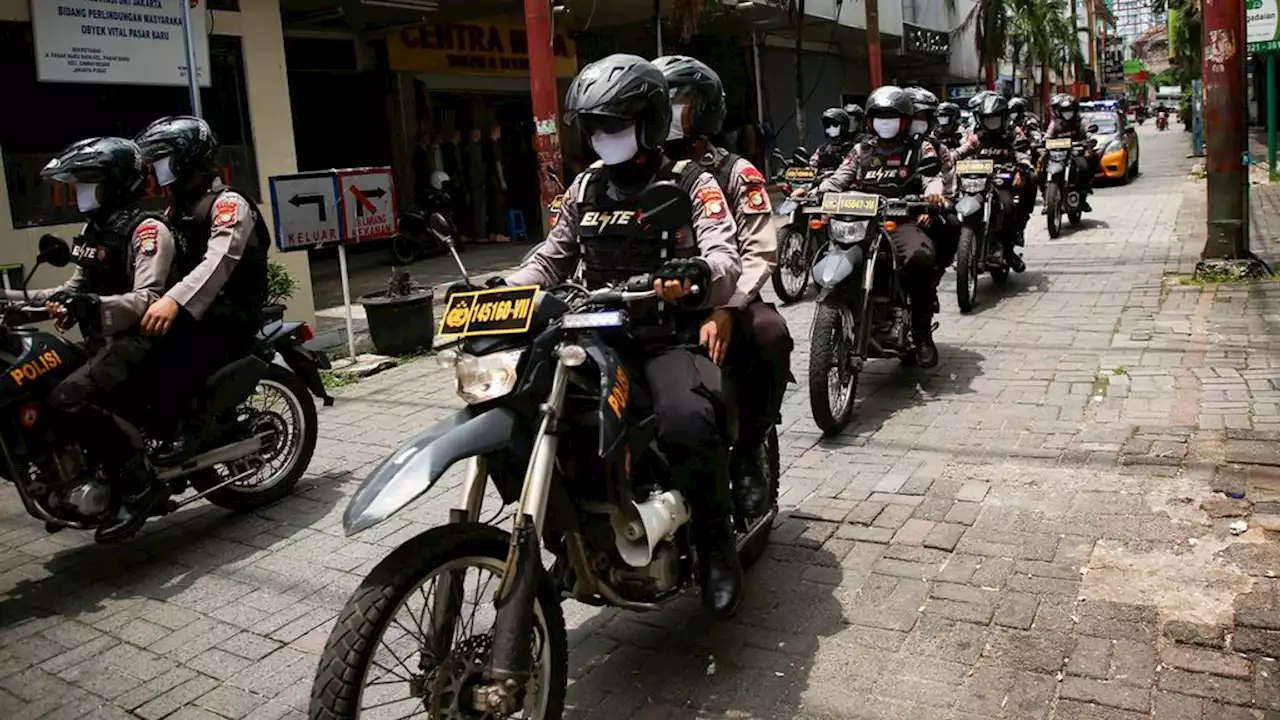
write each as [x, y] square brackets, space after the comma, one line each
[115, 89]
[460, 86]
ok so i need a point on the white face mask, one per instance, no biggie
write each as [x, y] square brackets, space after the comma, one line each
[993, 122]
[616, 148]
[677, 122]
[164, 174]
[886, 127]
[1068, 114]
[919, 127]
[87, 196]
[833, 131]
[944, 121]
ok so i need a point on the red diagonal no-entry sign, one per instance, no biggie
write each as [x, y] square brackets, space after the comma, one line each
[364, 201]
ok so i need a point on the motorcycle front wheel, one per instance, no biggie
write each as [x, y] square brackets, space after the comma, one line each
[967, 270]
[404, 250]
[832, 380]
[791, 274]
[1053, 209]
[394, 611]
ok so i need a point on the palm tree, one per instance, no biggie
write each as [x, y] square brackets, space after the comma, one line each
[1030, 33]
[990, 21]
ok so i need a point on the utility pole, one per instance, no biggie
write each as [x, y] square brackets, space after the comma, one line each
[657, 24]
[797, 7]
[873, 43]
[546, 110]
[1224, 46]
[193, 73]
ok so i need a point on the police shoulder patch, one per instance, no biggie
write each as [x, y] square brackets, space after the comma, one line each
[713, 205]
[751, 176]
[757, 199]
[225, 212]
[146, 237]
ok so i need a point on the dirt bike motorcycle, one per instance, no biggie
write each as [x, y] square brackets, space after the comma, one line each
[261, 453]
[798, 244]
[987, 210]
[862, 311]
[559, 420]
[1059, 178]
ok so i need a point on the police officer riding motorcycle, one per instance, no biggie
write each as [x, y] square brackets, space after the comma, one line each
[832, 151]
[949, 131]
[213, 313]
[621, 104]
[998, 140]
[124, 260]
[895, 163]
[1068, 122]
[747, 332]
[857, 123]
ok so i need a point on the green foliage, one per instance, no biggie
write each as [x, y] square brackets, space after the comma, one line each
[1029, 33]
[280, 285]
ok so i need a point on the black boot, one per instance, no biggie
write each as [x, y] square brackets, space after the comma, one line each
[721, 569]
[141, 492]
[922, 333]
[1014, 260]
[750, 481]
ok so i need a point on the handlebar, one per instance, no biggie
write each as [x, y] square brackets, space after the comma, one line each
[628, 292]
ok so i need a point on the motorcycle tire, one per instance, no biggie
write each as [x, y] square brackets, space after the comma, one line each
[749, 553]
[999, 275]
[792, 242]
[404, 250]
[1053, 209]
[827, 351]
[246, 499]
[1074, 216]
[350, 650]
[967, 270]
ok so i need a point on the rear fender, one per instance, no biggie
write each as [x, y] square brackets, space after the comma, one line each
[417, 465]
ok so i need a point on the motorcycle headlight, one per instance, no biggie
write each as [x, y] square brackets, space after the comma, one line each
[485, 377]
[1114, 146]
[973, 185]
[848, 232]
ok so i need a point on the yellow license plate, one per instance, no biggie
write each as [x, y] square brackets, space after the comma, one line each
[496, 311]
[976, 167]
[1058, 143]
[799, 174]
[857, 204]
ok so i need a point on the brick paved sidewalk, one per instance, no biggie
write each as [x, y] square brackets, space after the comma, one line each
[1018, 533]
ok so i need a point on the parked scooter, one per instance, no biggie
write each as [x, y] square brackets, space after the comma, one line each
[415, 240]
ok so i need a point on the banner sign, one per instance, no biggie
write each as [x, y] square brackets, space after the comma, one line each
[477, 48]
[126, 42]
[319, 208]
[1261, 26]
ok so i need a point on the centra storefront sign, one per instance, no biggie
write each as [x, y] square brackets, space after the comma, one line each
[477, 48]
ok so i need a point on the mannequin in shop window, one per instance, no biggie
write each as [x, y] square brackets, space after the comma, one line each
[474, 169]
[496, 179]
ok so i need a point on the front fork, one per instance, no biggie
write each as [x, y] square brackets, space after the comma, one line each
[511, 661]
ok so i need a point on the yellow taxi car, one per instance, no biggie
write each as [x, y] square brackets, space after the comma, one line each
[1117, 141]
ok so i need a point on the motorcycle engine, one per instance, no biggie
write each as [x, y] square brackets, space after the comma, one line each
[657, 578]
[69, 485]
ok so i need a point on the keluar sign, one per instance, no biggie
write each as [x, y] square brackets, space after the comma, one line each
[475, 48]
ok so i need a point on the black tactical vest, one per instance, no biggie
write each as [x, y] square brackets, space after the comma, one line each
[890, 172]
[723, 172]
[831, 154]
[245, 293]
[615, 244]
[102, 252]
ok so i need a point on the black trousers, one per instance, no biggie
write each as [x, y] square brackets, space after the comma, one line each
[760, 365]
[688, 402]
[914, 250]
[110, 383]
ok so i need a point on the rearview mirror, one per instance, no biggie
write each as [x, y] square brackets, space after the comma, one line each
[54, 251]
[1093, 128]
[664, 206]
[442, 225]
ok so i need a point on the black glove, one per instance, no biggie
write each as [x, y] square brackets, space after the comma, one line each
[85, 309]
[695, 271]
[495, 282]
[462, 286]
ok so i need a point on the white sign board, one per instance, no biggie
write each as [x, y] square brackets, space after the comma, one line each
[129, 42]
[368, 204]
[306, 210]
[1261, 22]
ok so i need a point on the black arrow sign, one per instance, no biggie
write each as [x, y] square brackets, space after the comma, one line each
[317, 200]
[362, 197]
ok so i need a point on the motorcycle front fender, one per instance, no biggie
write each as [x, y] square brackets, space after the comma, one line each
[836, 265]
[417, 465]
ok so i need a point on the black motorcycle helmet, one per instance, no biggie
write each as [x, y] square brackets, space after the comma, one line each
[1063, 104]
[187, 141]
[693, 83]
[992, 115]
[976, 101]
[114, 164]
[835, 118]
[620, 90]
[1017, 109]
[857, 119]
[948, 117]
[890, 101]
